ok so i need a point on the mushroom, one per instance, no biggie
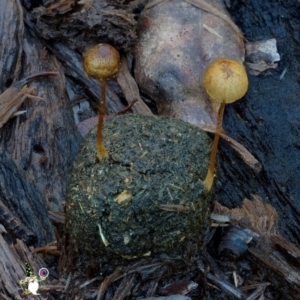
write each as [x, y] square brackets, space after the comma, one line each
[101, 62]
[225, 81]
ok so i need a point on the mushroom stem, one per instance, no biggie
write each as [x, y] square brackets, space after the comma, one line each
[209, 180]
[101, 62]
[101, 150]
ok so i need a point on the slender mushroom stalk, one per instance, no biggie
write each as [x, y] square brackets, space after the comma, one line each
[101, 62]
[225, 81]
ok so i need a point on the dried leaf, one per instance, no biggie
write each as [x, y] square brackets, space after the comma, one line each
[261, 56]
[262, 51]
[155, 2]
[207, 7]
[258, 68]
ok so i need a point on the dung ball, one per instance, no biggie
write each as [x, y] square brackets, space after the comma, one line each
[147, 197]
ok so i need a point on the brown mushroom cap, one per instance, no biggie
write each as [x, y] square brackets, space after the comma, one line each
[226, 80]
[101, 62]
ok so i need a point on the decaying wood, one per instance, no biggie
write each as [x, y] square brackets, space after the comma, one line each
[179, 287]
[274, 255]
[244, 154]
[11, 42]
[85, 126]
[257, 215]
[11, 100]
[12, 268]
[223, 285]
[22, 207]
[47, 126]
[33, 177]
[124, 288]
[91, 23]
[15, 225]
[105, 283]
[13, 97]
[131, 90]
[48, 250]
[60, 8]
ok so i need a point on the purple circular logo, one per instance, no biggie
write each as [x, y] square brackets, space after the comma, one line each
[43, 272]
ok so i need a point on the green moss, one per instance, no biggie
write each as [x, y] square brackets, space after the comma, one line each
[147, 197]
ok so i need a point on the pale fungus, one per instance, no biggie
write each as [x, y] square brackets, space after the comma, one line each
[225, 81]
[101, 62]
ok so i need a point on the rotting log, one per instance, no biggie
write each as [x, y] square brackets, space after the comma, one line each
[272, 256]
[22, 210]
[43, 141]
[266, 121]
[91, 22]
[12, 268]
[37, 148]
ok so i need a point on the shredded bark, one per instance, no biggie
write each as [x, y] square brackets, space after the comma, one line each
[131, 90]
[86, 23]
[13, 97]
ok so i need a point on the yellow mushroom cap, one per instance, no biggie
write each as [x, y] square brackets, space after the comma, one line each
[226, 80]
[101, 62]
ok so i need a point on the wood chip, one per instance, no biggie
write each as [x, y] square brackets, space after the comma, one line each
[131, 90]
[261, 217]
